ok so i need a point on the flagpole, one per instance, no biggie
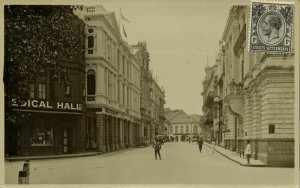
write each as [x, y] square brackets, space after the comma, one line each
[120, 21]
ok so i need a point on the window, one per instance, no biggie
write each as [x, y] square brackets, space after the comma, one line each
[187, 130]
[91, 9]
[68, 90]
[90, 41]
[31, 90]
[271, 128]
[181, 129]
[176, 129]
[41, 136]
[42, 91]
[91, 82]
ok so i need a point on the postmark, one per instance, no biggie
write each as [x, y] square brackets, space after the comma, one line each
[271, 26]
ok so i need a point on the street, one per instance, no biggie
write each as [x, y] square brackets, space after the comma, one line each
[181, 163]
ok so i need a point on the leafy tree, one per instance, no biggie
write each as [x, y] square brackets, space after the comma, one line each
[37, 38]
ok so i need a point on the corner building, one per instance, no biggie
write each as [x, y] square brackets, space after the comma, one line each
[113, 84]
[258, 96]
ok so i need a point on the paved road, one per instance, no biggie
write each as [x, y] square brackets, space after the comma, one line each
[181, 163]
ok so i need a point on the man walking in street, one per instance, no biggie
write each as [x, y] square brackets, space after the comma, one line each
[200, 143]
[157, 147]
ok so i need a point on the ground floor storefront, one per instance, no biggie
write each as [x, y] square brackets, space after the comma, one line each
[45, 133]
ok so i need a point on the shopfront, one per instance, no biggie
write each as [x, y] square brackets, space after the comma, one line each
[50, 127]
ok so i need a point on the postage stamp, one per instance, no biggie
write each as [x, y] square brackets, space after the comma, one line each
[271, 26]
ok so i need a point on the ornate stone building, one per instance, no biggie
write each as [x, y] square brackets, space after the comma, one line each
[256, 95]
[113, 84]
[140, 51]
[208, 108]
[157, 102]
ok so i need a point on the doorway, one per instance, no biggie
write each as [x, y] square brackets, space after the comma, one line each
[65, 141]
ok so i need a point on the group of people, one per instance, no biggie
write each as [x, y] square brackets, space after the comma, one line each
[157, 148]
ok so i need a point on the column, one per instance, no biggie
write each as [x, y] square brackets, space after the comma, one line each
[116, 133]
[112, 130]
[122, 133]
[101, 146]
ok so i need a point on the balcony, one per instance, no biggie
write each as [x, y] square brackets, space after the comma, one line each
[235, 100]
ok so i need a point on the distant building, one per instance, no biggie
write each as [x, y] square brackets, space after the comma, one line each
[182, 127]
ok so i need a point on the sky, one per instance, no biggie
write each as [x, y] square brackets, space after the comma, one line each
[182, 38]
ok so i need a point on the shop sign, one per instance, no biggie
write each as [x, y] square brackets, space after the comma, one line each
[44, 104]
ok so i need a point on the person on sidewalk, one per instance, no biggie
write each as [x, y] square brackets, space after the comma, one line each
[213, 145]
[157, 147]
[200, 143]
[248, 151]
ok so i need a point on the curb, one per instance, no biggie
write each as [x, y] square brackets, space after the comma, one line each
[242, 164]
[50, 157]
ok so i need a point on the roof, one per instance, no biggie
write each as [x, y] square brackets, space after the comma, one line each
[170, 114]
[186, 119]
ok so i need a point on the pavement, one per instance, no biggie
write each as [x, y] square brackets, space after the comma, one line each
[234, 156]
[181, 163]
[23, 158]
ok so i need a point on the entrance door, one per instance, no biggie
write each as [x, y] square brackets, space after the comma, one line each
[65, 141]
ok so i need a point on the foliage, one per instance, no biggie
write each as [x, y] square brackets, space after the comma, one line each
[37, 38]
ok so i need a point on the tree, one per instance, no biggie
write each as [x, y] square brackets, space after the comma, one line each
[37, 38]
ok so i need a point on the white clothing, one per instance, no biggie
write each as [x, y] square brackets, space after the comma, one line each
[248, 149]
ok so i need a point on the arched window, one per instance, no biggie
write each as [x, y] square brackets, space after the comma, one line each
[187, 130]
[176, 129]
[181, 129]
[91, 82]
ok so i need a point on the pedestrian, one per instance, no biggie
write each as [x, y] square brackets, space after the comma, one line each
[248, 151]
[157, 147]
[213, 145]
[200, 143]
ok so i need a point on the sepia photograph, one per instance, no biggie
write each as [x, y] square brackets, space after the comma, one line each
[140, 93]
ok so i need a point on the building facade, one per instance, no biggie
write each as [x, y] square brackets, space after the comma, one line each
[208, 108]
[113, 84]
[255, 96]
[141, 53]
[183, 127]
[157, 102]
[54, 114]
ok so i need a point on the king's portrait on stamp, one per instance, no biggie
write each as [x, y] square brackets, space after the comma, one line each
[271, 27]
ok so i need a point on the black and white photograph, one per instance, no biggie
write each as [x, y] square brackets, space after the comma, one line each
[140, 93]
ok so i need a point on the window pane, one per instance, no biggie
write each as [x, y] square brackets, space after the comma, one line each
[90, 41]
[42, 91]
[31, 90]
[41, 136]
[91, 82]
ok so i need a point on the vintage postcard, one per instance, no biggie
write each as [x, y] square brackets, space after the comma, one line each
[138, 93]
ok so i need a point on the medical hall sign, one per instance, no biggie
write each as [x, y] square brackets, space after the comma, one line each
[49, 105]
